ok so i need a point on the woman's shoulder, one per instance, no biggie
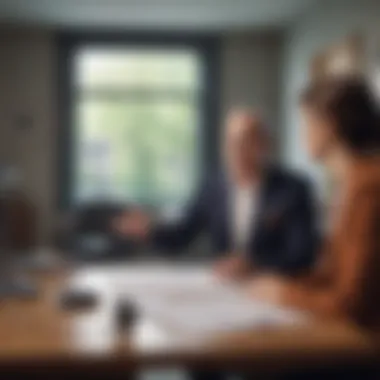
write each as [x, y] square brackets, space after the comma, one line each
[365, 177]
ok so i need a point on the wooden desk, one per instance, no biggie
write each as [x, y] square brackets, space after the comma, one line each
[38, 335]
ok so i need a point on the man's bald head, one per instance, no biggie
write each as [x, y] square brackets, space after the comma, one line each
[245, 122]
[245, 142]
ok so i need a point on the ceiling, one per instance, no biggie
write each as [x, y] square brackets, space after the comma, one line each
[168, 14]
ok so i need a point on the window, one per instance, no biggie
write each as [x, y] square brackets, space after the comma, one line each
[137, 115]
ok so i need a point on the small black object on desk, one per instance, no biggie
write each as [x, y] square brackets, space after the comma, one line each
[76, 299]
[126, 314]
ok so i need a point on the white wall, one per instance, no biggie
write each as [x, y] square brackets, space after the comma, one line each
[326, 24]
[250, 76]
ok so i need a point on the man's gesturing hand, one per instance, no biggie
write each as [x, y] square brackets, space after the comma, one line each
[133, 224]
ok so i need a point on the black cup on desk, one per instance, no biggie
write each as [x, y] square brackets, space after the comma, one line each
[126, 314]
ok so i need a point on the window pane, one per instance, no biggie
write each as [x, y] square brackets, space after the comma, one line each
[136, 124]
[137, 68]
[136, 151]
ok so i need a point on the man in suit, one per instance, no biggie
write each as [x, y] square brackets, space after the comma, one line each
[259, 216]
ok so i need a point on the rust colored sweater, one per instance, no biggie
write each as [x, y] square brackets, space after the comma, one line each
[347, 281]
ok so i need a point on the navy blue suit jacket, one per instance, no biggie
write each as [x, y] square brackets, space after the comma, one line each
[284, 235]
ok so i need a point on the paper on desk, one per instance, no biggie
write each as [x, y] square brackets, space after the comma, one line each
[190, 299]
[220, 313]
[194, 301]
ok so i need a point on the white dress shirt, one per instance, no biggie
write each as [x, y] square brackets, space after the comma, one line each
[243, 215]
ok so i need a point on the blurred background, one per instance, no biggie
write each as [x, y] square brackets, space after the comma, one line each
[104, 104]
